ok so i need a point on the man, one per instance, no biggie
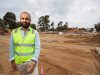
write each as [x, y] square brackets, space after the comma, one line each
[25, 47]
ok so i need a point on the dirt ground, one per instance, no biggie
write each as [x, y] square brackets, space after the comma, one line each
[66, 54]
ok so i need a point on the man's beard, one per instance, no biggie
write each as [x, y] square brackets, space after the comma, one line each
[25, 25]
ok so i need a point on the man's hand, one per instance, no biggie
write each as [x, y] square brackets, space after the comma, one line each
[30, 67]
[13, 65]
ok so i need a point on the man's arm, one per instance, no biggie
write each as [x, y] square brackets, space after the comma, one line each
[37, 47]
[11, 49]
[11, 53]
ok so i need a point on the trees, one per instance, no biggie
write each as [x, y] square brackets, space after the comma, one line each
[2, 26]
[97, 27]
[33, 26]
[9, 20]
[43, 23]
[91, 29]
[65, 27]
[62, 27]
[52, 26]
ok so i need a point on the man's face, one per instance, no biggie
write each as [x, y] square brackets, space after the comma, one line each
[25, 20]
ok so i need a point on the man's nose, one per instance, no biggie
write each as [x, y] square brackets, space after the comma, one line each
[24, 20]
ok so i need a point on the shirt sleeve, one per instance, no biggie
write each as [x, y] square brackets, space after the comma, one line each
[11, 49]
[37, 47]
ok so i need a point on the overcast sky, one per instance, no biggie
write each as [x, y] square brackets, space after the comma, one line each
[78, 13]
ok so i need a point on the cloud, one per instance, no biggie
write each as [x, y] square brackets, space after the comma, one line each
[76, 12]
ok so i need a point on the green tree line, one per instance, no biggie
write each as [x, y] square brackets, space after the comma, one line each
[44, 24]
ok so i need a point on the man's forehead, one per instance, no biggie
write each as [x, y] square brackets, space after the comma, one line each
[24, 14]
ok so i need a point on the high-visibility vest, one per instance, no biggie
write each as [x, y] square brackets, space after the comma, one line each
[24, 47]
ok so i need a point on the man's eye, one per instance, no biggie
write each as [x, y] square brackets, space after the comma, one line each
[22, 18]
[26, 18]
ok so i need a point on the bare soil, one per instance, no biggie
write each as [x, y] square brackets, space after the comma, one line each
[60, 55]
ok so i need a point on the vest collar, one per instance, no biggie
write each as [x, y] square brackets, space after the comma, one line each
[21, 28]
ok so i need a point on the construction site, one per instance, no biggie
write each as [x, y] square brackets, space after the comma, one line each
[64, 54]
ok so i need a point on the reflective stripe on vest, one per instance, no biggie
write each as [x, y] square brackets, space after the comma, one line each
[25, 45]
[23, 54]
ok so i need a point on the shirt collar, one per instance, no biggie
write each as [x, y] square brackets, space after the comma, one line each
[23, 28]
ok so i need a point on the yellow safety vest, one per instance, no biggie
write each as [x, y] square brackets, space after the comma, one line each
[24, 47]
